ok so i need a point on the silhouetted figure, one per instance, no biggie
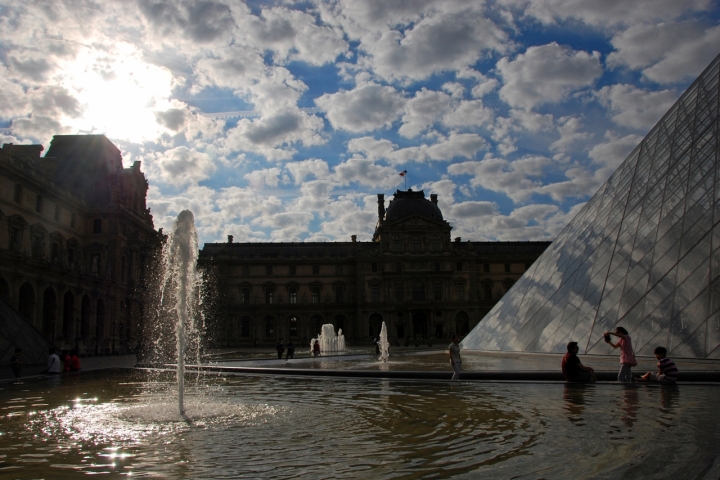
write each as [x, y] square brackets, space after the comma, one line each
[53, 362]
[280, 348]
[572, 369]
[16, 363]
[455, 360]
[316, 348]
[627, 356]
[667, 370]
[74, 361]
[290, 350]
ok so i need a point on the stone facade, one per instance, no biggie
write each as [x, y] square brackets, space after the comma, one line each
[412, 275]
[75, 241]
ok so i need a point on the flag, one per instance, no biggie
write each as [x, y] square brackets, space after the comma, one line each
[403, 173]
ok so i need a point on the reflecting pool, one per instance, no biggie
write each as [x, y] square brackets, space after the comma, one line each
[124, 424]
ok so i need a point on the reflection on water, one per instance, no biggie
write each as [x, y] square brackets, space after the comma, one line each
[253, 426]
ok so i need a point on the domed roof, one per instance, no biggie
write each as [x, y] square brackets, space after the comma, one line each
[409, 203]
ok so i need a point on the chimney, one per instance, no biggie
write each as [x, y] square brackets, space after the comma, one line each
[457, 239]
[433, 198]
[354, 238]
[381, 206]
[230, 238]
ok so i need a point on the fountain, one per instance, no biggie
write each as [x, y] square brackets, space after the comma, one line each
[384, 344]
[329, 342]
[179, 300]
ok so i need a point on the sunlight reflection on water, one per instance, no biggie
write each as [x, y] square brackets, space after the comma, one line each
[320, 428]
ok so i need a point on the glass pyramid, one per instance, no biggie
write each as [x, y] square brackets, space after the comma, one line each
[643, 253]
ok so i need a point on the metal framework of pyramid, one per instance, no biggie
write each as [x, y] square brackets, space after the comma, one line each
[16, 332]
[643, 253]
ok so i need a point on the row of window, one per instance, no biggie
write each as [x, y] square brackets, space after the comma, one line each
[374, 267]
[416, 243]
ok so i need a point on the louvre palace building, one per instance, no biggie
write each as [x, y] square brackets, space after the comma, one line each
[75, 239]
[413, 276]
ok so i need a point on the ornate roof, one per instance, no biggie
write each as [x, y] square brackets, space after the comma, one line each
[405, 204]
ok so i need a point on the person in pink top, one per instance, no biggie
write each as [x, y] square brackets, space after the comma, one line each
[627, 356]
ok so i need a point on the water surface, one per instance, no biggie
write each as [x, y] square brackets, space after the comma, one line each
[276, 427]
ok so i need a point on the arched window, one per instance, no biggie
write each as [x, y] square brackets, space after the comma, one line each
[293, 326]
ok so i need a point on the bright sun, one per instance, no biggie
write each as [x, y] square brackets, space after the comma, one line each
[119, 93]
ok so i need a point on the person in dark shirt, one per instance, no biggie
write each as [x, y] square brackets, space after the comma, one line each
[16, 363]
[280, 347]
[290, 350]
[573, 369]
[667, 370]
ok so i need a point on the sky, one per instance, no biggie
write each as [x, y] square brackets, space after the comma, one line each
[282, 121]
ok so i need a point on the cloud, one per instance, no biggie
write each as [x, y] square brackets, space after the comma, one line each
[656, 51]
[413, 40]
[260, 178]
[293, 36]
[182, 166]
[514, 179]
[305, 168]
[423, 110]
[606, 14]
[197, 21]
[366, 108]
[272, 136]
[636, 108]
[173, 119]
[569, 129]
[614, 150]
[546, 74]
[473, 210]
[366, 172]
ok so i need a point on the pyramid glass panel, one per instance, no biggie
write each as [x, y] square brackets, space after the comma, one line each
[643, 253]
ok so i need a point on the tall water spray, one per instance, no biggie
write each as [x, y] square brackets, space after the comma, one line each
[384, 344]
[181, 285]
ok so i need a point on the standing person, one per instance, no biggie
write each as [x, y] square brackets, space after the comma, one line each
[627, 357]
[572, 369]
[455, 360]
[53, 363]
[74, 361]
[16, 363]
[290, 350]
[280, 348]
[667, 370]
[316, 348]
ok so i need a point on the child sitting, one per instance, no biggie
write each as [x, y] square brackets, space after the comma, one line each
[667, 370]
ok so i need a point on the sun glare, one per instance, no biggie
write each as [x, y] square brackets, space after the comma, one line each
[119, 93]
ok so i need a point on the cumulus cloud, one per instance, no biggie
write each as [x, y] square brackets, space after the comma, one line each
[570, 133]
[305, 168]
[366, 108]
[517, 179]
[260, 178]
[605, 14]
[273, 136]
[293, 36]
[656, 51]
[546, 74]
[366, 172]
[614, 150]
[181, 166]
[413, 40]
[636, 108]
[423, 110]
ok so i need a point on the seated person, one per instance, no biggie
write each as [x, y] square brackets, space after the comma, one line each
[573, 370]
[667, 370]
